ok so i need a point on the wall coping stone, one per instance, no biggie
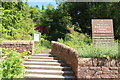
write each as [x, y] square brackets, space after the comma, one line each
[17, 42]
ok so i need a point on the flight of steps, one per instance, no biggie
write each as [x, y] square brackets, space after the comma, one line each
[47, 66]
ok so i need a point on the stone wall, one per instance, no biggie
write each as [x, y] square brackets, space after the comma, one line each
[86, 67]
[20, 46]
[98, 68]
[69, 55]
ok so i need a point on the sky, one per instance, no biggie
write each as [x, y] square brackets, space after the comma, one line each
[42, 2]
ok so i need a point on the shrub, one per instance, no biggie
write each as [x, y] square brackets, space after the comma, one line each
[75, 40]
[41, 45]
[45, 43]
[99, 51]
[12, 66]
[83, 44]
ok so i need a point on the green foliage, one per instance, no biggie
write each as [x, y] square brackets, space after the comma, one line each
[34, 14]
[25, 53]
[82, 43]
[83, 15]
[18, 19]
[41, 45]
[4, 51]
[99, 51]
[56, 22]
[76, 40]
[45, 43]
[16, 24]
[12, 66]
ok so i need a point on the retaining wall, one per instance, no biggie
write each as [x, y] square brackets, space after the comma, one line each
[86, 67]
[19, 45]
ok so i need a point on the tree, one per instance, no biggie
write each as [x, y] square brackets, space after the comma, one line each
[82, 13]
[34, 14]
[56, 21]
[16, 23]
[42, 7]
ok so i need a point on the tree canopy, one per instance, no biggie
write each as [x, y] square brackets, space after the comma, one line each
[82, 13]
[19, 20]
[16, 21]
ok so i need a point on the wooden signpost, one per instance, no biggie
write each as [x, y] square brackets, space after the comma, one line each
[102, 31]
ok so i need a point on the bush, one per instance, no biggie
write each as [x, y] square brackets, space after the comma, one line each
[12, 67]
[75, 40]
[45, 43]
[99, 51]
[83, 44]
[41, 45]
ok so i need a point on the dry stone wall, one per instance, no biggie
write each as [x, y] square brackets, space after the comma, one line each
[20, 46]
[87, 67]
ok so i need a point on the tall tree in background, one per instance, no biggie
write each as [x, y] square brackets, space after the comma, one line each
[34, 14]
[19, 19]
[42, 7]
[56, 21]
[82, 13]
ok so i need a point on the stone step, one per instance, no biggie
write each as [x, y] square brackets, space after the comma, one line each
[38, 57]
[44, 60]
[49, 76]
[44, 63]
[43, 56]
[45, 67]
[51, 72]
[46, 54]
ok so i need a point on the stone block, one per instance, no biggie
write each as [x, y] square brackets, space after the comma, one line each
[105, 76]
[95, 68]
[113, 63]
[106, 70]
[98, 73]
[82, 71]
[95, 62]
[85, 62]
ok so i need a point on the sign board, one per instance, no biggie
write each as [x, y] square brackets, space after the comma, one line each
[102, 31]
[36, 36]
